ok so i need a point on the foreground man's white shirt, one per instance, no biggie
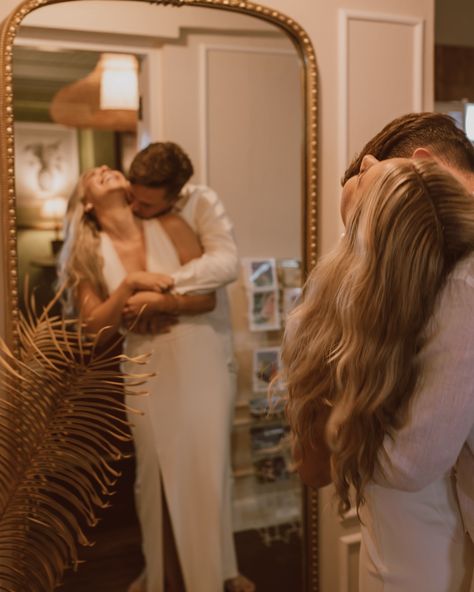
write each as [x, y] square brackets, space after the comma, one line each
[440, 431]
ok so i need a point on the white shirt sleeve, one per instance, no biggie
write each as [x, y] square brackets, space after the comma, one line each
[218, 265]
[442, 414]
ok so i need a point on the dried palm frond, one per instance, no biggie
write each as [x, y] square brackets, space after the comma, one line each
[61, 423]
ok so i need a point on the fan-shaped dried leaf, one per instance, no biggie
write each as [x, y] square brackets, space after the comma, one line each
[61, 416]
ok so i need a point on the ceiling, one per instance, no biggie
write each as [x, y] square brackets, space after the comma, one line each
[39, 74]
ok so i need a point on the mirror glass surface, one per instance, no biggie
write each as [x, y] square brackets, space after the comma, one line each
[227, 88]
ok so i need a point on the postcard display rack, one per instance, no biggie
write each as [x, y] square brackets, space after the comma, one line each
[267, 493]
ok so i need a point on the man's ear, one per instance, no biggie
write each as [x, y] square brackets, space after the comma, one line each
[422, 153]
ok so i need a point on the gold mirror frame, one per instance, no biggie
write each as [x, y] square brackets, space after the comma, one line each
[9, 280]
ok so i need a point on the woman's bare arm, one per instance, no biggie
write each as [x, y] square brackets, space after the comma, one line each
[97, 313]
[313, 458]
[313, 464]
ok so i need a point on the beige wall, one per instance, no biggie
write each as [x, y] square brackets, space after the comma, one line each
[234, 102]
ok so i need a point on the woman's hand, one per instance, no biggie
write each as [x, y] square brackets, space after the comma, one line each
[148, 281]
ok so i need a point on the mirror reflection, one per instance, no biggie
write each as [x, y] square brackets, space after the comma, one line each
[210, 217]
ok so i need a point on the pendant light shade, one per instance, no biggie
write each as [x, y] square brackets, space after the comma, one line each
[119, 82]
[105, 99]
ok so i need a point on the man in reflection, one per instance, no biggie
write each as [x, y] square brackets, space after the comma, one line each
[159, 176]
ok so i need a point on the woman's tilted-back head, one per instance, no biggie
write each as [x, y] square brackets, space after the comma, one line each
[79, 259]
[104, 189]
[352, 344]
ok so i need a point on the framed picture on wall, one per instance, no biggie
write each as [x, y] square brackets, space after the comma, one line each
[264, 313]
[271, 469]
[46, 172]
[266, 367]
[290, 273]
[260, 274]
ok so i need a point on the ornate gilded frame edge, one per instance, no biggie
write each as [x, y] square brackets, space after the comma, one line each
[9, 281]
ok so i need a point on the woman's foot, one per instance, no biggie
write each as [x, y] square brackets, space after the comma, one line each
[138, 585]
[239, 584]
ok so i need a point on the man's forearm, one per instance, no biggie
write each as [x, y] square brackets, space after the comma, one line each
[208, 272]
[219, 263]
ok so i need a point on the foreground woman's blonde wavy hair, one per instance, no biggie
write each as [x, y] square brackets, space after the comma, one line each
[79, 259]
[351, 348]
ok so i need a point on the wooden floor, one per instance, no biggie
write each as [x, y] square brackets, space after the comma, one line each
[116, 559]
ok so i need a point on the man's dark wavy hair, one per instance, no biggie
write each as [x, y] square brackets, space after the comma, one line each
[400, 138]
[162, 164]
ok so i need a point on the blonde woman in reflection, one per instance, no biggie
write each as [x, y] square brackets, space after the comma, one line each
[114, 262]
[385, 338]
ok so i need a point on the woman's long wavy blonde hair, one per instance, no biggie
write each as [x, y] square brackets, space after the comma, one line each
[351, 348]
[80, 259]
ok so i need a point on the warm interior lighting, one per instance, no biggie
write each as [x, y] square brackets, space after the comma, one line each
[119, 81]
[55, 208]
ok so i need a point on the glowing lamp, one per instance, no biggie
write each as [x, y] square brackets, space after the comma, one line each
[119, 81]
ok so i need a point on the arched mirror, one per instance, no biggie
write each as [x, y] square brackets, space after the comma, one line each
[234, 84]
